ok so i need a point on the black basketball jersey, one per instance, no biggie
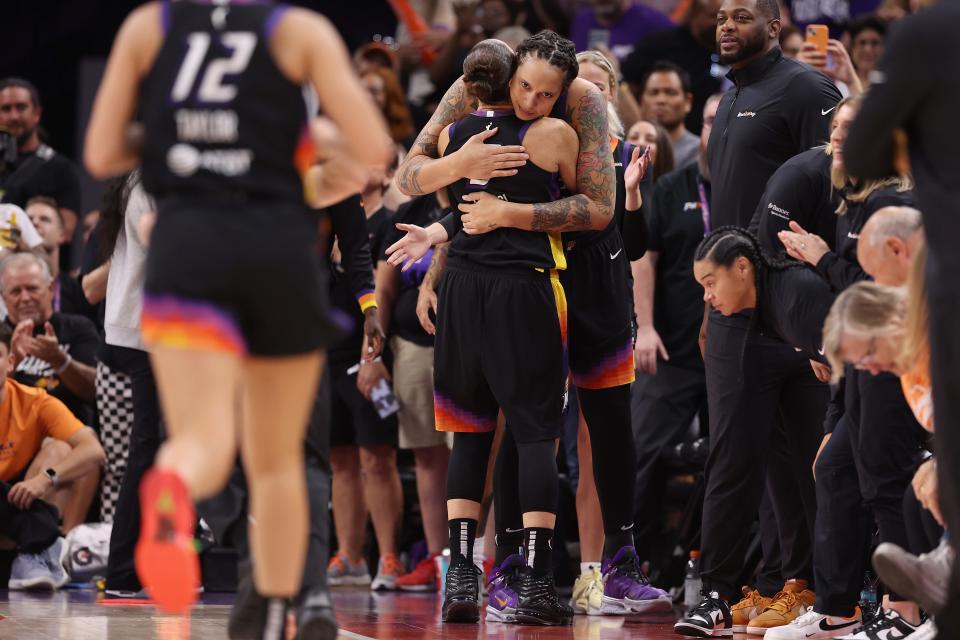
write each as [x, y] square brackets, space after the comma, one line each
[621, 160]
[218, 115]
[506, 247]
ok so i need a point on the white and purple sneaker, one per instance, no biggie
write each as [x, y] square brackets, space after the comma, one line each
[501, 594]
[626, 590]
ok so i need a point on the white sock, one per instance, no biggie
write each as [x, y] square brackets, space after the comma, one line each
[587, 567]
[478, 556]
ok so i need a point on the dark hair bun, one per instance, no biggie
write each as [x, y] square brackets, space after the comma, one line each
[487, 71]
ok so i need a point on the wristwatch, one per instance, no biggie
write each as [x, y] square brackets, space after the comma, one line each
[52, 474]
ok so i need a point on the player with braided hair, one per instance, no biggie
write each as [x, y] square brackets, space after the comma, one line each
[751, 377]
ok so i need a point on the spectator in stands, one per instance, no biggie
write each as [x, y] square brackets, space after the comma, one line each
[48, 469]
[384, 87]
[68, 295]
[649, 134]
[689, 46]
[38, 169]
[474, 22]
[666, 100]
[835, 64]
[867, 35]
[791, 40]
[617, 25]
[17, 232]
[52, 350]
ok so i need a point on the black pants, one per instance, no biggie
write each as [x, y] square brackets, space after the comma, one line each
[145, 438]
[886, 440]
[226, 513]
[923, 531]
[844, 527]
[663, 407]
[770, 576]
[34, 529]
[943, 299]
[747, 388]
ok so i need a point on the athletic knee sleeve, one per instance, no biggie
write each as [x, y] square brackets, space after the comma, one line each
[537, 472]
[607, 414]
[468, 466]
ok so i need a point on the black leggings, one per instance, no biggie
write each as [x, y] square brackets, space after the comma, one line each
[923, 531]
[607, 414]
[531, 467]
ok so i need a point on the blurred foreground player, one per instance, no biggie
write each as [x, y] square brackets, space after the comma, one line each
[233, 292]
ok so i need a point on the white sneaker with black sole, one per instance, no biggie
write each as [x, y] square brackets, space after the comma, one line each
[709, 619]
[926, 631]
[888, 625]
[814, 626]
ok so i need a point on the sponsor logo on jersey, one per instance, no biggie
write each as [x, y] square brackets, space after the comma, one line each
[747, 114]
[185, 160]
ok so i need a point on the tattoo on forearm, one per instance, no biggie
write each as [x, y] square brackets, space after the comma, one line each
[595, 176]
[569, 214]
[407, 177]
[455, 104]
[437, 264]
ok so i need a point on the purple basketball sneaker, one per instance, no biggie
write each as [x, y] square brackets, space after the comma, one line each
[626, 590]
[501, 594]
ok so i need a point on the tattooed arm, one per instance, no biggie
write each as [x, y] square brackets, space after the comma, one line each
[591, 208]
[427, 298]
[424, 170]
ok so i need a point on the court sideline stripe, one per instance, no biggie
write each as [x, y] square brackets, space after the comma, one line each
[353, 636]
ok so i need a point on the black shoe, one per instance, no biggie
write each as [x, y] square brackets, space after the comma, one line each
[248, 616]
[315, 617]
[537, 601]
[711, 618]
[461, 600]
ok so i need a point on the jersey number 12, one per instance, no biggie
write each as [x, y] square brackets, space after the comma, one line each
[212, 87]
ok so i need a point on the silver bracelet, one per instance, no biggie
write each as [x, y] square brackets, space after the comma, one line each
[66, 363]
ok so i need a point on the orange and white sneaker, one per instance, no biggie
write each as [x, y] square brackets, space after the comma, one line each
[166, 554]
[786, 606]
[389, 571]
[422, 578]
[747, 609]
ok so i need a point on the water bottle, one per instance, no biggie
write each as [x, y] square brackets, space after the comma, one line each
[691, 582]
[868, 597]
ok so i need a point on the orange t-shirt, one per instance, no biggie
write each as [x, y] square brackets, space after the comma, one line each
[918, 391]
[27, 416]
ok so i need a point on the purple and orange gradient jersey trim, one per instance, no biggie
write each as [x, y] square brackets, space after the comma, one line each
[181, 323]
[613, 371]
[450, 417]
[304, 157]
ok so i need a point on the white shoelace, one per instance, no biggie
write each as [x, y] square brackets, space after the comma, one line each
[808, 617]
